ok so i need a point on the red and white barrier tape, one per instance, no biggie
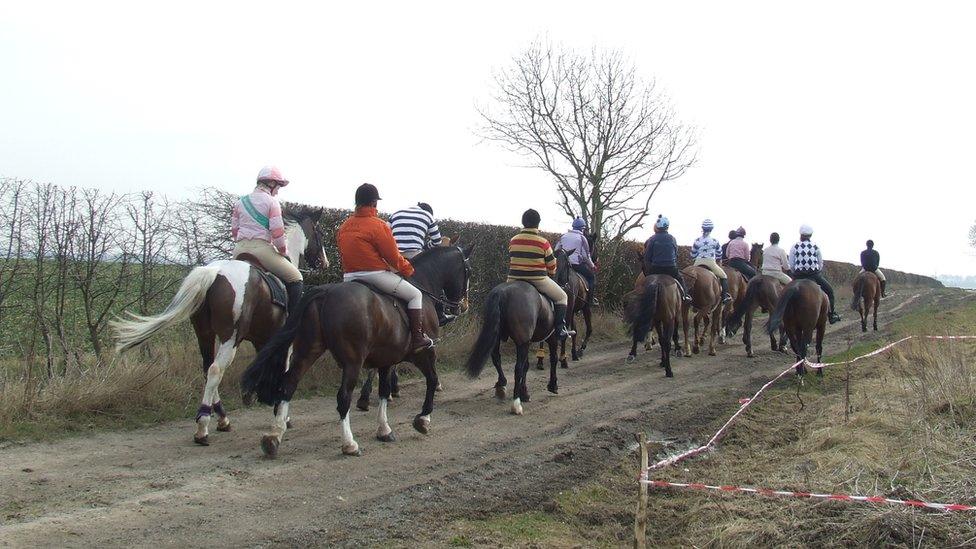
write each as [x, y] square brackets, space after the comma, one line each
[810, 495]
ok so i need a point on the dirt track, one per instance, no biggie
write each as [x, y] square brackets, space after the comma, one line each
[153, 486]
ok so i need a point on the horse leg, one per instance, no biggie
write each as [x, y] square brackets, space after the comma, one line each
[553, 386]
[573, 346]
[747, 333]
[664, 335]
[712, 325]
[696, 348]
[350, 371]
[821, 328]
[588, 321]
[723, 312]
[676, 346]
[562, 352]
[395, 383]
[427, 362]
[540, 356]
[518, 392]
[384, 433]
[684, 322]
[877, 300]
[224, 356]
[299, 362]
[496, 360]
[363, 402]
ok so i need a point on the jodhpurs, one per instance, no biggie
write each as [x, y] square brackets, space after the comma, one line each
[548, 288]
[390, 284]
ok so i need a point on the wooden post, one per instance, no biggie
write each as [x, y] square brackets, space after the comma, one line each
[640, 521]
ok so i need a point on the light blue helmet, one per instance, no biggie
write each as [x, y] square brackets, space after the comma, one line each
[579, 223]
[707, 225]
[662, 223]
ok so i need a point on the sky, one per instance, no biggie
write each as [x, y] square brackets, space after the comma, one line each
[857, 118]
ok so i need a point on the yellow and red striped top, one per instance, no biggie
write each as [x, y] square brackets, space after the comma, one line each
[530, 256]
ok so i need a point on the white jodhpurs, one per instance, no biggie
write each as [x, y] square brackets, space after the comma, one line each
[390, 284]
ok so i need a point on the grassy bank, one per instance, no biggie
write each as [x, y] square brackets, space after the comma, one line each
[909, 435]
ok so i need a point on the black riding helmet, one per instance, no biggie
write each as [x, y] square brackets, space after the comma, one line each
[531, 219]
[425, 207]
[366, 194]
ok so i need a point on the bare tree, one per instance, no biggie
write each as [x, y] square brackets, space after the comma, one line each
[607, 136]
[12, 196]
[149, 218]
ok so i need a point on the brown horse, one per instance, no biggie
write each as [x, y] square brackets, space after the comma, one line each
[579, 303]
[517, 311]
[762, 292]
[867, 296]
[227, 302]
[655, 305]
[706, 294]
[737, 289]
[361, 328]
[802, 310]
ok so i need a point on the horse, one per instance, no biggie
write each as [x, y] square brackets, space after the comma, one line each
[516, 310]
[706, 293]
[737, 289]
[579, 302]
[360, 328]
[763, 291]
[227, 301]
[655, 304]
[867, 296]
[802, 310]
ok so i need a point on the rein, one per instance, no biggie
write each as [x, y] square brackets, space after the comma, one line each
[443, 300]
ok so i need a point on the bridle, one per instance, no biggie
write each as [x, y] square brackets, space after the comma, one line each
[451, 306]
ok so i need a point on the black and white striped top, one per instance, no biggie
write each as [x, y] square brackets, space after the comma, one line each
[415, 229]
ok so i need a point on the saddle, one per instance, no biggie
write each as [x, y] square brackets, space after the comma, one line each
[279, 296]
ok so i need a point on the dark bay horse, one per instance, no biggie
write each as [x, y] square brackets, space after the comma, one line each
[579, 303]
[737, 289]
[802, 310]
[228, 302]
[655, 305]
[517, 311]
[361, 328]
[867, 296]
[706, 294]
[762, 292]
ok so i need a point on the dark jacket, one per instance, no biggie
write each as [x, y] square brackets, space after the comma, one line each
[870, 260]
[661, 250]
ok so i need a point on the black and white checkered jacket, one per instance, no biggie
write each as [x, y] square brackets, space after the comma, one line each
[805, 257]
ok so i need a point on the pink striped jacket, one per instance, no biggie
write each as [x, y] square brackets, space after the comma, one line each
[261, 221]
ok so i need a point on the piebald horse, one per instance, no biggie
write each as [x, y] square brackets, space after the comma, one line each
[706, 294]
[362, 328]
[517, 311]
[228, 302]
[867, 296]
[802, 310]
[655, 304]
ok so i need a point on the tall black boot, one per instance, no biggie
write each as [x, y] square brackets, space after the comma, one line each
[726, 296]
[883, 284]
[684, 293]
[418, 339]
[560, 319]
[294, 291]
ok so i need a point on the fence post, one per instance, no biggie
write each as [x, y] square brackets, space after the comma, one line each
[640, 520]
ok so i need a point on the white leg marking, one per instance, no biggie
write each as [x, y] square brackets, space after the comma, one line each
[384, 428]
[349, 445]
[280, 423]
[517, 406]
[225, 355]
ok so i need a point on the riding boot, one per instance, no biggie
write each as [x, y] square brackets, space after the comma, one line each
[418, 339]
[684, 293]
[883, 284]
[443, 318]
[726, 296]
[560, 318]
[294, 291]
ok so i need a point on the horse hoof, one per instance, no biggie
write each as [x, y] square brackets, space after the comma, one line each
[224, 428]
[352, 450]
[553, 388]
[500, 393]
[395, 394]
[711, 353]
[389, 437]
[539, 366]
[363, 405]
[421, 424]
[750, 355]
[288, 424]
[202, 441]
[564, 365]
[631, 358]
[269, 445]
[439, 387]
[516, 407]
[668, 373]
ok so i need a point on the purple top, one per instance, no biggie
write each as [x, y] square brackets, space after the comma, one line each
[576, 241]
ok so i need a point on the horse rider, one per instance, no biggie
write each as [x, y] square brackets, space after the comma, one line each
[661, 255]
[738, 252]
[704, 251]
[724, 256]
[775, 262]
[806, 261]
[415, 229]
[369, 254]
[580, 260]
[531, 259]
[870, 260]
[258, 230]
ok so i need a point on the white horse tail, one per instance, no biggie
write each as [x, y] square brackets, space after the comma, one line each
[136, 329]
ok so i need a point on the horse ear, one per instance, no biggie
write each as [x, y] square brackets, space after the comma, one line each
[466, 250]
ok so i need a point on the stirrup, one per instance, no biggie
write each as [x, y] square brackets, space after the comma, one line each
[726, 297]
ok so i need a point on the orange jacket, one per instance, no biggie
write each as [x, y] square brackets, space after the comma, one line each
[366, 243]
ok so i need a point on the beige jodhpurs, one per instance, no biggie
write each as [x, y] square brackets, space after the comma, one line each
[712, 266]
[548, 288]
[778, 275]
[880, 274]
[274, 262]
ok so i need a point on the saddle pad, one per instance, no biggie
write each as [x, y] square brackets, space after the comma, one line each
[278, 294]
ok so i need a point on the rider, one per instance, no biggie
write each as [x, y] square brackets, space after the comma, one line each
[737, 253]
[806, 261]
[531, 260]
[415, 229]
[580, 260]
[369, 253]
[661, 255]
[259, 231]
[870, 259]
[704, 251]
[725, 248]
[775, 261]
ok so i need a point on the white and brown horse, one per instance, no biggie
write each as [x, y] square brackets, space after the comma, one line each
[227, 302]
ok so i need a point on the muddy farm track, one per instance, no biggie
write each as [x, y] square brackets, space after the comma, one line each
[154, 487]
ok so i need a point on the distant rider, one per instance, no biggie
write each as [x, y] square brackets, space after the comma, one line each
[775, 260]
[415, 229]
[704, 251]
[724, 256]
[258, 229]
[531, 259]
[661, 255]
[580, 260]
[806, 261]
[369, 253]
[738, 252]
[870, 260]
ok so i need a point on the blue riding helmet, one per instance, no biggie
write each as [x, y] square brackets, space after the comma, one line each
[662, 222]
[579, 224]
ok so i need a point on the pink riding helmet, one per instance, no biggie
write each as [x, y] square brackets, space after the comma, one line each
[272, 173]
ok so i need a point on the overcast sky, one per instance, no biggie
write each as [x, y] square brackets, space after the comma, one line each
[857, 118]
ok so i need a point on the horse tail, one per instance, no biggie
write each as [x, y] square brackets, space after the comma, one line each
[263, 377]
[488, 337]
[776, 318]
[642, 319]
[752, 293]
[858, 293]
[136, 329]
